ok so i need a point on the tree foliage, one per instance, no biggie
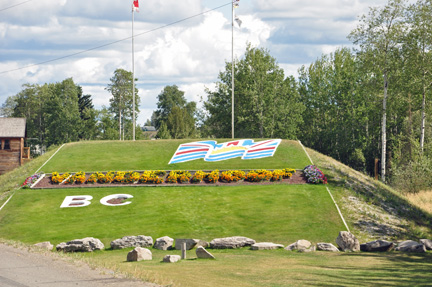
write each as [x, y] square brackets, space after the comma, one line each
[379, 36]
[121, 102]
[175, 115]
[266, 104]
[53, 113]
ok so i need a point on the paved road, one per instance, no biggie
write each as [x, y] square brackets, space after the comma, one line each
[21, 268]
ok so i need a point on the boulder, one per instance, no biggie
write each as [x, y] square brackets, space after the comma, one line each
[311, 249]
[201, 252]
[139, 254]
[164, 243]
[266, 246]
[132, 241]
[190, 243]
[87, 244]
[377, 246]
[427, 243]
[411, 246]
[299, 245]
[327, 247]
[231, 242]
[347, 242]
[203, 243]
[45, 245]
[171, 258]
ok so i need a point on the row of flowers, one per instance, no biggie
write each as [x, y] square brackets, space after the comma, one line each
[174, 176]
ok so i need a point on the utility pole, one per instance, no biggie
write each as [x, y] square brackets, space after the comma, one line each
[135, 7]
[232, 69]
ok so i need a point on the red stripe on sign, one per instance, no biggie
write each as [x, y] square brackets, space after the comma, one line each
[258, 144]
[194, 150]
[261, 149]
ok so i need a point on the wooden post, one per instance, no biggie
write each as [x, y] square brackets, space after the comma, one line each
[376, 169]
[183, 251]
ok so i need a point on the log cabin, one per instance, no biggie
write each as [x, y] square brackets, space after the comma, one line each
[12, 150]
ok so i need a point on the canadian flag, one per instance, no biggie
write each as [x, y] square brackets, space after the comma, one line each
[135, 6]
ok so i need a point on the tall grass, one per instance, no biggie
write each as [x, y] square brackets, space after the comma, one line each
[423, 199]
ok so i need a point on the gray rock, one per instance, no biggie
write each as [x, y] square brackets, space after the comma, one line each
[327, 247]
[231, 242]
[411, 246]
[139, 254]
[266, 246]
[311, 249]
[201, 252]
[164, 243]
[171, 258]
[377, 246]
[45, 245]
[203, 243]
[190, 243]
[347, 242]
[132, 241]
[299, 245]
[87, 244]
[427, 243]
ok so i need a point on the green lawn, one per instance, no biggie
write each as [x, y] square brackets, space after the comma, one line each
[153, 155]
[275, 268]
[278, 213]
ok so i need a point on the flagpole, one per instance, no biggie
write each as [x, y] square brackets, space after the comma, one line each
[133, 74]
[232, 69]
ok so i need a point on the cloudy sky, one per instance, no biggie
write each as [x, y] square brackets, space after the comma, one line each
[183, 43]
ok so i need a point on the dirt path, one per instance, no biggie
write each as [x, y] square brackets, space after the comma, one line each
[20, 267]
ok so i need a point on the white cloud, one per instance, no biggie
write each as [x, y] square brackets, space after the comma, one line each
[189, 54]
[311, 9]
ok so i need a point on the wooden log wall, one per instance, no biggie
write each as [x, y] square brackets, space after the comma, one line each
[11, 158]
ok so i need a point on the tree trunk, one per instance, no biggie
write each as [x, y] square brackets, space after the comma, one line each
[423, 119]
[120, 124]
[383, 131]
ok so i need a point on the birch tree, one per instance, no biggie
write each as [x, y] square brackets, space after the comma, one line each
[378, 36]
[419, 53]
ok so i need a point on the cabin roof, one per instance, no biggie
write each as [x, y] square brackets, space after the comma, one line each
[12, 127]
[149, 128]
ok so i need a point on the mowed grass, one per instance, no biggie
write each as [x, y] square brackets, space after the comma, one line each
[154, 155]
[277, 213]
[245, 267]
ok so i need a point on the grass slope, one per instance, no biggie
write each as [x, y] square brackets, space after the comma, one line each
[279, 213]
[154, 155]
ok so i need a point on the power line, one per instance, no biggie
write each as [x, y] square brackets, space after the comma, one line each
[7, 8]
[114, 42]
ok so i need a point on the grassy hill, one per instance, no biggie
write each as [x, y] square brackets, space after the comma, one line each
[281, 213]
[277, 213]
[154, 155]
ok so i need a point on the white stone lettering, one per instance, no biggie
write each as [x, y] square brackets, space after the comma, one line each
[76, 201]
[116, 199]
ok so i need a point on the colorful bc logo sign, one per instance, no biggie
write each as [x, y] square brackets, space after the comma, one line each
[211, 151]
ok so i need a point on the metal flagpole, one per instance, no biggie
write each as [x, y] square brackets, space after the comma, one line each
[133, 74]
[232, 68]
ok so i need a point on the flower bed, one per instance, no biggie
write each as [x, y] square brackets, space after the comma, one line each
[174, 177]
[30, 180]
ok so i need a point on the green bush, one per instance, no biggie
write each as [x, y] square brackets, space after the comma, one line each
[415, 176]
